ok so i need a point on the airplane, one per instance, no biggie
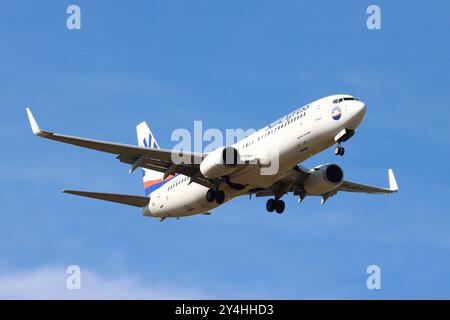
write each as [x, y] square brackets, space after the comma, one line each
[200, 182]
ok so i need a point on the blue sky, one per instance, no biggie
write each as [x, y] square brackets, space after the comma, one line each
[231, 64]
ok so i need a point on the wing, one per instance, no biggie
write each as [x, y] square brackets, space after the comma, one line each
[155, 159]
[358, 187]
[294, 180]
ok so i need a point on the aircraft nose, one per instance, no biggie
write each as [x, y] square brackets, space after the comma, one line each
[361, 108]
[357, 113]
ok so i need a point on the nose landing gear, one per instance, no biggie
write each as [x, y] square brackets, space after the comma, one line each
[275, 205]
[339, 151]
[342, 136]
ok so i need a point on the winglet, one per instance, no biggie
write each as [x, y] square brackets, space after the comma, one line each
[34, 126]
[392, 182]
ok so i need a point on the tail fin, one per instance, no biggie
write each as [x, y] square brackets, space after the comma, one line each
[145, 136]
[152, 179]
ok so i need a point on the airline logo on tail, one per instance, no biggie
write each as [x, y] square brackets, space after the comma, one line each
[152, 179]
[150, 142]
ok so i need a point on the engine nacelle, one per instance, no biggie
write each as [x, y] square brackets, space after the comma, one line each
[220, 162]
[323, 179]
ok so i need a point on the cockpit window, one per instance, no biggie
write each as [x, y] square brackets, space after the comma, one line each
[344, 99]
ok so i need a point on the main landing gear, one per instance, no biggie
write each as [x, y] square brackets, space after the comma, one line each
[275, 205]
[215, 195]
[339, 151]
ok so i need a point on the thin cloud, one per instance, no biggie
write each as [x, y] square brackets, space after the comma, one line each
[50, 283]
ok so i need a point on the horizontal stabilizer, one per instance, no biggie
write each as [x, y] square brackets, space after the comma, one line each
[137, 201]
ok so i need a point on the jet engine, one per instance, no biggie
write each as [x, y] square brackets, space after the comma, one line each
[323, 179]
[220, 162]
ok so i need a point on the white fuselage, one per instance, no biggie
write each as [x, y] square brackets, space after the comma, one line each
[297, 136]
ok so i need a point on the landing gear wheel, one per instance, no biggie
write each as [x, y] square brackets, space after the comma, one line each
[339, 151]
[270, 205]
[210, 195]
[279, 206]
[220, 196]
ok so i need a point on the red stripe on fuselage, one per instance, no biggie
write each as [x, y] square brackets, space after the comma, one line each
[152, 182]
